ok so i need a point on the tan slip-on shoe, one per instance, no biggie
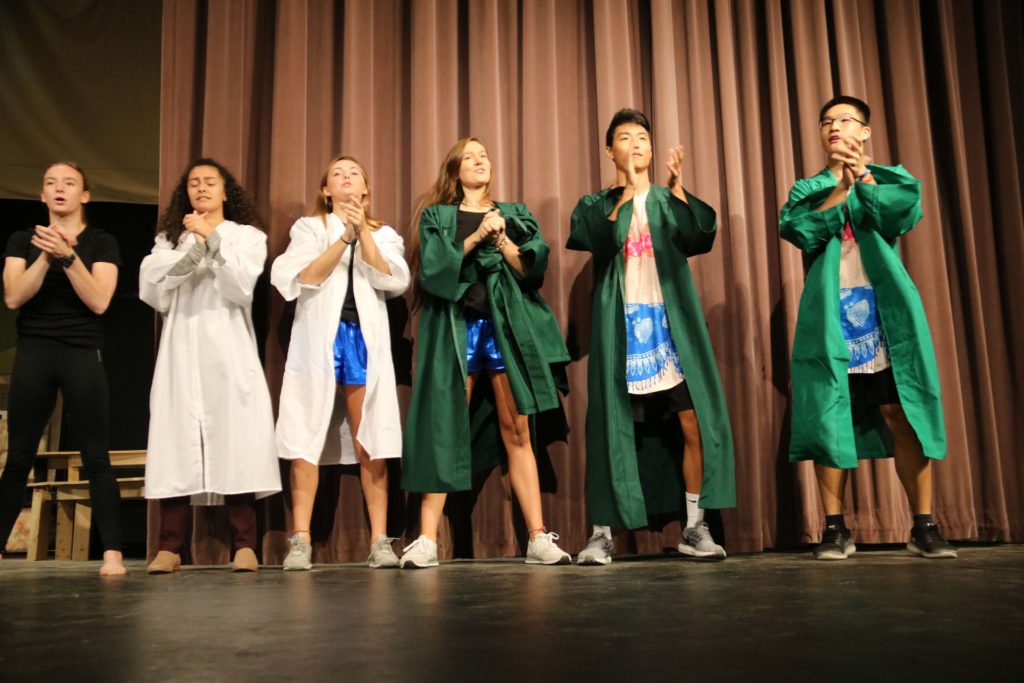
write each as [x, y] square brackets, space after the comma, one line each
[165, 562]
[245, 561]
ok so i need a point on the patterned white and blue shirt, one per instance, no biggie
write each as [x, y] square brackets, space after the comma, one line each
[652, 363]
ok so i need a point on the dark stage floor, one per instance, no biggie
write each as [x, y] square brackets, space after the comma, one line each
[882, 615]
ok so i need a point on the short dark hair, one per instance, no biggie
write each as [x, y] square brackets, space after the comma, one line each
[859, 105]
[625, 116]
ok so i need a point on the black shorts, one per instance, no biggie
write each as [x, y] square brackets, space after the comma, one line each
[873, 389]
[661, 405]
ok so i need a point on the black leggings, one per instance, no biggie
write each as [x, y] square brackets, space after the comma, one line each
[78, 372]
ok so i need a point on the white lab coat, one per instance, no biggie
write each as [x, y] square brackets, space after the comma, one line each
[311, 422]
[211, 424]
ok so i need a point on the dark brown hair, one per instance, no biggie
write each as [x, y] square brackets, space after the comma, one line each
[447, 189]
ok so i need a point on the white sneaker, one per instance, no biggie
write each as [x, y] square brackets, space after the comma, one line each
[697, 542]
[300, 557]
[382, 555]
[543, 550]
[598, 551]
[419, 554]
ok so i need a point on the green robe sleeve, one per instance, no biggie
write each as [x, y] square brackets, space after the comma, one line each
[522, 228]
[590, 230]
[802, 224]
[440, 259]
[892, 207]
[694, 224]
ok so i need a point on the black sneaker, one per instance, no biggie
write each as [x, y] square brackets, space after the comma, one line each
[836, 544]
[927, 542]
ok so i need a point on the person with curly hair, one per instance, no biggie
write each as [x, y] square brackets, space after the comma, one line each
[211, 427]
[61, 278]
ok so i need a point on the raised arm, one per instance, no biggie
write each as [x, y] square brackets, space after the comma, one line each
[892, 204]
[22, 281]
[804, 222]
[94, 287]
[389, 249]
[591, 229]
[440, 258]
[237, 258]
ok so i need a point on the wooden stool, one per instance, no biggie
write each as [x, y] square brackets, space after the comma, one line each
[74, 511]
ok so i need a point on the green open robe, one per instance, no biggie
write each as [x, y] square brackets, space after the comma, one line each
[824, 427]
[634, 471]
[446, 440]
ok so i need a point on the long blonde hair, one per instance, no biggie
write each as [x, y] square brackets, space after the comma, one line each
[322, 204]
[447, 189]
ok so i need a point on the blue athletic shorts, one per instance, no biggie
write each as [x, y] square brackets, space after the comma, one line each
[349, 354]
[481, 347]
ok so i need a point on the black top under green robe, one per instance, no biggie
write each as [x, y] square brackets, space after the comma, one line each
[446, 440]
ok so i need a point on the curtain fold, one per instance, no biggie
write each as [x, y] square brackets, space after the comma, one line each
[276, 89]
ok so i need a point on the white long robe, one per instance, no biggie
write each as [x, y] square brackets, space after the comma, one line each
[211, 425]
[312, 408]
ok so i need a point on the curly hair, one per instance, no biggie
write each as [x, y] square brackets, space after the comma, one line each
[238, 207]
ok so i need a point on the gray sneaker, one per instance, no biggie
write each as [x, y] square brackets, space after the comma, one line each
[419, 554]
[697, 542]
[543, 550]
[381, 553]
[598, 551]
[300, 557]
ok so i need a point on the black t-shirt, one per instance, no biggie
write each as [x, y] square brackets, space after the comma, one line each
[476, 295]
[349, 312]
[56, 313]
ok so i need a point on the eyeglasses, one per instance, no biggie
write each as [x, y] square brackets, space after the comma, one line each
[843, 120]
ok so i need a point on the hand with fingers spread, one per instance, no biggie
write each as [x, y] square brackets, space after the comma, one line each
[51, 240]
[197, 224]
[675, 168]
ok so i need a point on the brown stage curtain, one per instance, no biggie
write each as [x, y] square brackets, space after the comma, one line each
[275, 89]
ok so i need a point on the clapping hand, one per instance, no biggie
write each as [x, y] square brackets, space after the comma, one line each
[197, 224]
[354, 214]
[54, 241]
[851, 155]
[493, 226]
[675, 167]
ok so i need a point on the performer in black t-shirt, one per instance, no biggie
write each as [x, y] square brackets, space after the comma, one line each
[62, 277]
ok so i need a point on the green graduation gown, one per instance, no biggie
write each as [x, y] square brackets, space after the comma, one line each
[824, 428]
[634, 471]
[446, 440]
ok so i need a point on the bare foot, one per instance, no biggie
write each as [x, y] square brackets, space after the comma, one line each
[113, 563]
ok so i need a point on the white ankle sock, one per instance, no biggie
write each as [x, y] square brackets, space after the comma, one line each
[606, 531]
[694, 515]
